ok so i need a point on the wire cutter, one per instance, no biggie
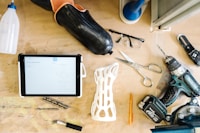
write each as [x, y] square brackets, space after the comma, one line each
[151, 67]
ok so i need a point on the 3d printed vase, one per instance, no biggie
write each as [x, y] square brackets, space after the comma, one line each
[103, 106]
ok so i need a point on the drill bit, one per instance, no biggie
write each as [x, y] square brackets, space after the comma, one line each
[56, 102]
[168, 59]
[162, 51]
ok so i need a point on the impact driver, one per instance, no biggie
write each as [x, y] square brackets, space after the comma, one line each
[181, 82]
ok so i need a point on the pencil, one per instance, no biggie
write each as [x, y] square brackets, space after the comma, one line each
[130, 117]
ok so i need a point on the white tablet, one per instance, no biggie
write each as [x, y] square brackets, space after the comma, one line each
[50, 75]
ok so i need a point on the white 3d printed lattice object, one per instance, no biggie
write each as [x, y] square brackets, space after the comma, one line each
[103, 106]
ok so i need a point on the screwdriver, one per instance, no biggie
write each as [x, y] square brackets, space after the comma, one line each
[69, 125]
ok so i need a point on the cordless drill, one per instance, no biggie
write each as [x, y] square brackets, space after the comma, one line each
[181, 82]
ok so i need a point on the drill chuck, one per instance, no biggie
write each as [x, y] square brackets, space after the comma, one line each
[174, 66]
[172, 63]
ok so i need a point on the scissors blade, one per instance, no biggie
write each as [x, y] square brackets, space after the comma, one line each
[124, 61]
[126, 57]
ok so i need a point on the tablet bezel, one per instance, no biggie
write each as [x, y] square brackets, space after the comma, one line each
[21, 68]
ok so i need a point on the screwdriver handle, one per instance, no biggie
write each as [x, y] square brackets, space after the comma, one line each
[191, 51]
[73, 126]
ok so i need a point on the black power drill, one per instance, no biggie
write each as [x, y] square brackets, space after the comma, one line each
[181, 82]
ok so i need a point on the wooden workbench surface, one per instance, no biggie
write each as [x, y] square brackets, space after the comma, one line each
[40, 34]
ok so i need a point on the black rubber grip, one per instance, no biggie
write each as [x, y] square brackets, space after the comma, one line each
[170, 96]
[76, 127]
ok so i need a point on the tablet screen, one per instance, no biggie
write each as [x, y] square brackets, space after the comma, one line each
[50, 75]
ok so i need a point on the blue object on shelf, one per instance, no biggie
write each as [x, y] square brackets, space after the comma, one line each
[133, 10]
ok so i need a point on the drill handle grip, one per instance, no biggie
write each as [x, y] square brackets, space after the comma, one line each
[170, 96]
[176, 86]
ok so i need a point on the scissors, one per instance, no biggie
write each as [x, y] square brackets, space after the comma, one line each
[151, 67]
